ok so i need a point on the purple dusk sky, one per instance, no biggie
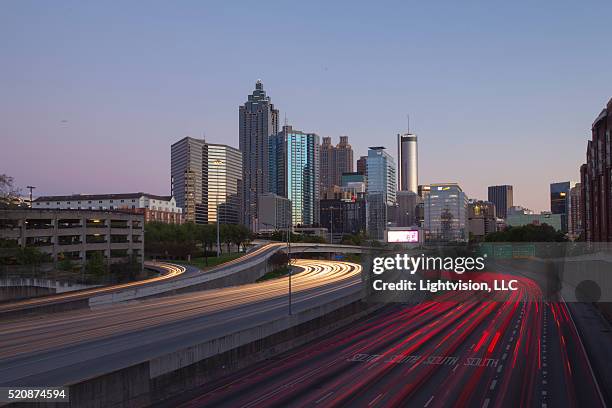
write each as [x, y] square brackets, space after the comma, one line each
[94, 93]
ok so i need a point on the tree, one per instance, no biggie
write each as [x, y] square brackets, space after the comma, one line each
[95, 264]
[31, 256]
[527, 233]
[9, 194]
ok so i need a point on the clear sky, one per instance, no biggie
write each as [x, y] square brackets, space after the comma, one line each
[92, 94]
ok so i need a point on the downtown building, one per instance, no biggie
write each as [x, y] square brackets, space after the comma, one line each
[574, 218]
[596, 180]
[258, 122]
[445, 214]
[502, 198]
[362, 166]
[381, 190]
[407, 158]
[206, 178]
[334, 161]
[153, 207]
[559, 201]
[482, 219]
[293, 170]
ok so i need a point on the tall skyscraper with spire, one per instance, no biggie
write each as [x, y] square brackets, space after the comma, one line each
[407, 158]
[258, 121]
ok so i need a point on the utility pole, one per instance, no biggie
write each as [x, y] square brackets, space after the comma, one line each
[31, 188]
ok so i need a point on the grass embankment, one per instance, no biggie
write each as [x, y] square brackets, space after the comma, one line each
[277, 273]
[200, 262]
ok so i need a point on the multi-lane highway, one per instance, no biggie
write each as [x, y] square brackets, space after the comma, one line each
[64, 348]
[451, 352]
[172, 272]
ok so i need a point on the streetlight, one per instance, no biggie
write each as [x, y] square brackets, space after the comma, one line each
[218, 162]
[331, 212]
[291, 273]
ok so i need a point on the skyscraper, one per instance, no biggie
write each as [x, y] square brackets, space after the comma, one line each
[294, 173]
[407, 157]
[224, 183]
[258, 122]
[446, 213]
[559, 201]
[502, 197]
[362, 167]
[334, 160]
[204, 176]
[381, 190]
[188, 178]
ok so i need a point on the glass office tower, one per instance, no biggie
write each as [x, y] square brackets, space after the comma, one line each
[294, 173]
[224, 183]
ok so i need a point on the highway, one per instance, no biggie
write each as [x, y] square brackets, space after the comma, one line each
[64, 348]
[449, 352]
[172, 272]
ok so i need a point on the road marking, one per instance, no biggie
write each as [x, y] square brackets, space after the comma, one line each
[504, 356]
[324, 397]
[428, 402]
[511, 339]
[500, 368]
[508, 347]
[493, 384]
[544, 382]
[544, 393]
[375, 399]
[486, 403]
[455, 369]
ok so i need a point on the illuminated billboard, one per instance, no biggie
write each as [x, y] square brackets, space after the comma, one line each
[409, 236]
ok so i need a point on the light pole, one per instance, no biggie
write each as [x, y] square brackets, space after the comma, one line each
[331, 224]
[218, 162]
[291, 273]
[31, 188]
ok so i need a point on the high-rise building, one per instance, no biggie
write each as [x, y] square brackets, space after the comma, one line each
[274, 213]
[224, 183]
[406, 210]
[481, 218]
[596, 181]
[446, 213]
[423, 190]
[502, 198]
[343, 216]
[362, 167]
[188, 178]
[334, 160]
[294, 173]
[574, 218]
[258, 122]
[381, 190]
[559, 201]
[407, 158]
[205, 176]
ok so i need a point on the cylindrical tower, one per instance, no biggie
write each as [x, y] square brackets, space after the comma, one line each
[407, 161]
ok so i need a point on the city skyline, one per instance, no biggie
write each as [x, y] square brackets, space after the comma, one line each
[90, 98]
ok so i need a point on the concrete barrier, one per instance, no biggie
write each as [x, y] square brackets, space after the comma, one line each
[168, 375]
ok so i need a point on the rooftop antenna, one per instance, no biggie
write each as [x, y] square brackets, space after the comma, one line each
[285, 119]
[408, 120]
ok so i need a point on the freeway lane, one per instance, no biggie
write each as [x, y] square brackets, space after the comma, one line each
[452, 352]
[172, 272]
[64, 348]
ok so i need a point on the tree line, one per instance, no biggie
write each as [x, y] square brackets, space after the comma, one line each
[180, 241]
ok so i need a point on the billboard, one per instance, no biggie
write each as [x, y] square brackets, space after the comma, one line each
[410, 236]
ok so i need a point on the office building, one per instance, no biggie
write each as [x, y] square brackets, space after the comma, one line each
[343, 216]
[423, 190]
[76, 234]
[407, 162]
[381, 190]
[559, 201]
[502, 198]
[224, 182]
[294, 173]
[274, 213]
[596, 182]
[519, 220]
[406, 209]
[153, 207]
[334, 160]
[258, 122]
[518, 210]
[445, 218]
[188, 177]
[362, 167]
[574, 218]
[481, 218]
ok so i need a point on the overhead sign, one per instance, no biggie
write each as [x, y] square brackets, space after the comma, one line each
[401, 236]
